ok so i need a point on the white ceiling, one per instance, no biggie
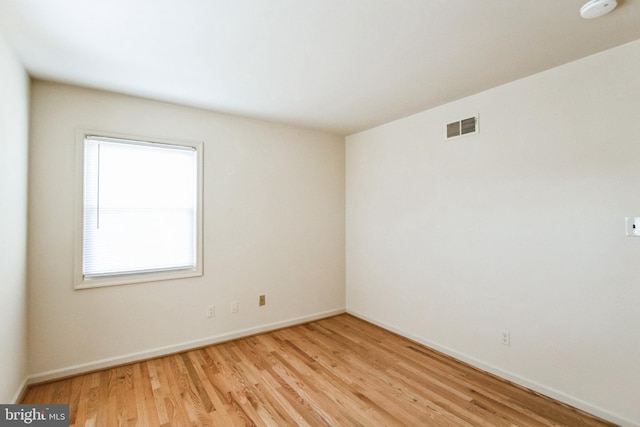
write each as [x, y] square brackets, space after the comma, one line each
[337, 65]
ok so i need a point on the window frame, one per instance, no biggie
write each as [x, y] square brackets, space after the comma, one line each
[82, 282]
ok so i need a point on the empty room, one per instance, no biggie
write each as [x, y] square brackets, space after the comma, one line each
[338, 213]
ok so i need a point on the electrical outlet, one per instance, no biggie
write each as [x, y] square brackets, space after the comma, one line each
[505, 337]
[211, 311]
[263, 300]
[234, 307]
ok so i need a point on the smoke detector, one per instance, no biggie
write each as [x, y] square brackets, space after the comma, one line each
[597, 8]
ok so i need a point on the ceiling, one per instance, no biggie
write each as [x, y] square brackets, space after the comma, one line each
[337, 65]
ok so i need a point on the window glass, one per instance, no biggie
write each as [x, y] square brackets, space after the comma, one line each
[140, 208]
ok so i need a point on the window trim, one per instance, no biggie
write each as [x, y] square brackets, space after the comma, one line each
[81, 282]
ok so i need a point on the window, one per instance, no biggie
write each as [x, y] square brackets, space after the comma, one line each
[141, 211]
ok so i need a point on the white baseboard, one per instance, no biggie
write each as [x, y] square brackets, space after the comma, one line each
[554, 394]
[177, 348]
[20, 392]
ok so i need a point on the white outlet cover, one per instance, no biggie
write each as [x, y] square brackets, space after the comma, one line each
[505, 337]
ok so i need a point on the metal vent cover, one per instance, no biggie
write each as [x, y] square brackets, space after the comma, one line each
[462, 127]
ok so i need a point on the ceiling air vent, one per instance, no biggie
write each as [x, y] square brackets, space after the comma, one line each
[462, 127]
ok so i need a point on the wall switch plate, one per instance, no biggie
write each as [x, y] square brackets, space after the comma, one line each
[211, 311]
[263, 300]
[632, 224]
[234, 307]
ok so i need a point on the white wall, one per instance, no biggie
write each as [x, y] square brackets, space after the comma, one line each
[519, 228]
[14, 99]
[273, 224]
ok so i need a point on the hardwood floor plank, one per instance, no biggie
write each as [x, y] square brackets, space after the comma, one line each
[339, 371]
[216, 396]
[92, 384]
[372, 385]
[230, 386]
[328, 390]
[174, 399]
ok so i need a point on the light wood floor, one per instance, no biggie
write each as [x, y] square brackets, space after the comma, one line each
[339, 371]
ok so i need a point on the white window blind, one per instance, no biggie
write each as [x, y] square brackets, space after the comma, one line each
[139, 207]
